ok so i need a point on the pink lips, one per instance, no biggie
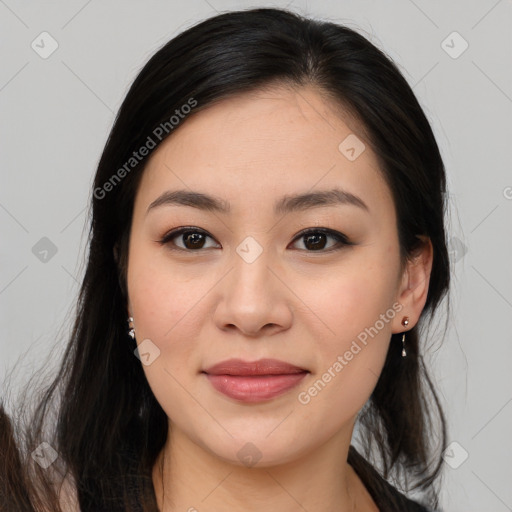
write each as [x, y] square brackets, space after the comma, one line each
[255, 381]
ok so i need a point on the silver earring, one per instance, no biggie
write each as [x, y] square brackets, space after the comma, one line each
[405, 322]
[131, 332]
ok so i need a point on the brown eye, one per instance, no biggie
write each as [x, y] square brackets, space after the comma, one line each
[192, 239]
[316, 240]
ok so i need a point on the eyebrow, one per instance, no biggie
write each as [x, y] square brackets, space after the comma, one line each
[286, 204]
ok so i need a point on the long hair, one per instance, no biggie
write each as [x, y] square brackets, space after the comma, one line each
[108, 427]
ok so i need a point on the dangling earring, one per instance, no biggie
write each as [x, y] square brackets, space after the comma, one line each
[405, 322]
[131, 332]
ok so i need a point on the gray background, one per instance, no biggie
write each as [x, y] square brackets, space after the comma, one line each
[56, 114]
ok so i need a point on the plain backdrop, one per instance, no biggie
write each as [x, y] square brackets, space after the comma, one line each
[65, 68]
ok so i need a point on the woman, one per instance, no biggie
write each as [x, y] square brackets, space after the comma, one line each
[267, 240]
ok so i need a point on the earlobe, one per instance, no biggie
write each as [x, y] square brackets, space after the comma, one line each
[415, 282]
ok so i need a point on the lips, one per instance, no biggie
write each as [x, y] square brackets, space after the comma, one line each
[261, 367]
[255, 381]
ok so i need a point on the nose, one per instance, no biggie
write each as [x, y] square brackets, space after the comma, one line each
[254, 298]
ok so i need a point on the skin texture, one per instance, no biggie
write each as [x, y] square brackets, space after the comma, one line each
[292, 303]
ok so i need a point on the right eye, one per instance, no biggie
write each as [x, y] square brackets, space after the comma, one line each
[191, 237]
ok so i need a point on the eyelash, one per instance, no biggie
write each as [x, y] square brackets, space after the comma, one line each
[340, 238]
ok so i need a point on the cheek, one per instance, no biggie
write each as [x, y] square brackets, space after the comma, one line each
[352, 339]
[354, 298]
[164, 298]
[166, 306]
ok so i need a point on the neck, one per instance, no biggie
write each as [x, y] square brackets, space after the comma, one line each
[186, 477]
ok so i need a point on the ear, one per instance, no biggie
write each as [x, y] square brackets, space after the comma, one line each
[413, 290]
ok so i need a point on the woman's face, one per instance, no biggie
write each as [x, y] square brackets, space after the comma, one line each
[244, 283]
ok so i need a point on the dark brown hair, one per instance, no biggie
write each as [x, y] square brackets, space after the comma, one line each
[108, 427]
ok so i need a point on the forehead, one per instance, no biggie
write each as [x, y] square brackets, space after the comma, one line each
[266, 143]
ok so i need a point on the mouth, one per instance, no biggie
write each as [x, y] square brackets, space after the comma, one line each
[255, 381]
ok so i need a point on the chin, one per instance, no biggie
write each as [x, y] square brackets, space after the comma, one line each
[256, 450]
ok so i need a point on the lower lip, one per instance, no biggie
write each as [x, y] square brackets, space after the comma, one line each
[254, 388]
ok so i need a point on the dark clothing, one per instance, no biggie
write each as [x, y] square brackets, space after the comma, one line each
[385, 496]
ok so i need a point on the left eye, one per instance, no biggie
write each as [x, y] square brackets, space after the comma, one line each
[315, 239]
[193, 239]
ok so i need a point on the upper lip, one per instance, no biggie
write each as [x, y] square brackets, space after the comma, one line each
[261, 367]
